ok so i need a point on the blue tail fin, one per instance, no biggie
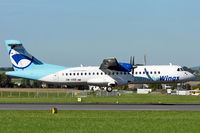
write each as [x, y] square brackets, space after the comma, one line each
[19, 57]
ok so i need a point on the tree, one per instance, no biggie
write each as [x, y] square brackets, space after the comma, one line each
[50, 85]
[37, 84]
[197, 86]
[188, 87]
[155, 86]
[5, 81]
[0, 80]
[26, 83]
[174, 86]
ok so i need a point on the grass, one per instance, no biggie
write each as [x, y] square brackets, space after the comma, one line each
[2, 72]
[100, 122]
[125, 98]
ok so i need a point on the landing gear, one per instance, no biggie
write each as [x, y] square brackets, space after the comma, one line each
[109, 89]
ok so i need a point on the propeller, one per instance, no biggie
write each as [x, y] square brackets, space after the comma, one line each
[145, 60]
[132, 62]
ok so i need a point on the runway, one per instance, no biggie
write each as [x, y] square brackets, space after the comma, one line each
[61, 106]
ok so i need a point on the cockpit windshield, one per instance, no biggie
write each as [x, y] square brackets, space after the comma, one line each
[180, 69]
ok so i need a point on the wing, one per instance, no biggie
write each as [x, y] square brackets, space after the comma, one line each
[113, 64]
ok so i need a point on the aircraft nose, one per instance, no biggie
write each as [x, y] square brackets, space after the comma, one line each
[191, 76]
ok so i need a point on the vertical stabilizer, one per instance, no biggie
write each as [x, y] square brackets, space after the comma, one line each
[19, 57]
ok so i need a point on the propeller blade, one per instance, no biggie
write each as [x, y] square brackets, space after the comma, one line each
[145, 60]
[132, 62]
[131, 59]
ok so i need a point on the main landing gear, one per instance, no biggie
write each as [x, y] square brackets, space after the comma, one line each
[109, 89]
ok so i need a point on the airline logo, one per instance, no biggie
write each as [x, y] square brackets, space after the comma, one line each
[20, 59]
[168, 78]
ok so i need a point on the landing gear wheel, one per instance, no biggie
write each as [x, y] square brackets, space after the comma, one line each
[109, 89]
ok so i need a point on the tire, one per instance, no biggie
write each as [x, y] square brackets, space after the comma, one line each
[109, 89]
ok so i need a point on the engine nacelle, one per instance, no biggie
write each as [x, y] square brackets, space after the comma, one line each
[125, 67]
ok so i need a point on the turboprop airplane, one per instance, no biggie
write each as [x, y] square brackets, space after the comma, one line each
[109, 74]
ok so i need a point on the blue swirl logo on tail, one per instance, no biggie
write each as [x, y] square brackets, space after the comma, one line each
[18, 57]
[20, 61]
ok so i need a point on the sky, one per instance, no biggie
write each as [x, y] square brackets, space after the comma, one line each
[74, 32]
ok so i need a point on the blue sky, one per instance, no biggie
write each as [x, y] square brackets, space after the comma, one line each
[70, 33]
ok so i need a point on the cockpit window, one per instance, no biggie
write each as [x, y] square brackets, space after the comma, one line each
[180, 69]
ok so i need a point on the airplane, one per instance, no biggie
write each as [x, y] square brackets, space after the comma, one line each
[109, 74]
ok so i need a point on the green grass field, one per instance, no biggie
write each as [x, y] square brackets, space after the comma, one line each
[100, 122]
[125, 98]
[2, 72]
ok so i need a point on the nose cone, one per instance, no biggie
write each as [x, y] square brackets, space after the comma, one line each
[190, 76]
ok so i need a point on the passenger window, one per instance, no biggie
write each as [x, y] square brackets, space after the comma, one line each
[93, 73]
[66, 74]
[85, 73]
[74, 74]
[77, 74]
[70, 74]
[89, 73]
[154, 72]
[113, 73]
[124, 73]
[143, 72]
[140, 73]
[135, 72]
[81, 73]
[101, 73]
[151, 72]
[117, 73]
[97, 73]
[159, 72]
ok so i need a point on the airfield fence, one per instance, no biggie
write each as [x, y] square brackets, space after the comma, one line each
[54, 93]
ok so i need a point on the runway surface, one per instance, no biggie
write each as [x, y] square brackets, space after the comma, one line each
[60, 106]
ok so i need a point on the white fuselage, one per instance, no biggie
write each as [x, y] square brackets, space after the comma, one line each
[97, 77]
[90, 76]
